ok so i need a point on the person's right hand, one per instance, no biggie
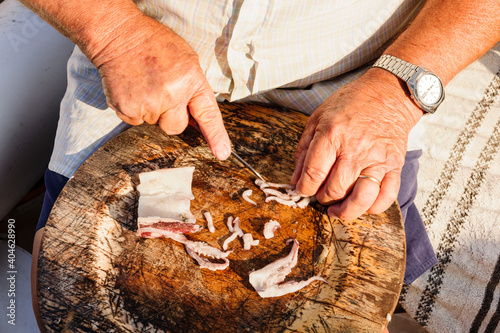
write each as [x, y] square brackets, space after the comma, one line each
[152, 75]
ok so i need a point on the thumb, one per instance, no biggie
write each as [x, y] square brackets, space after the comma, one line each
[205, 112]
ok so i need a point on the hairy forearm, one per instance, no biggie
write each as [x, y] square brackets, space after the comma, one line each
[446, 36]
[92, 25]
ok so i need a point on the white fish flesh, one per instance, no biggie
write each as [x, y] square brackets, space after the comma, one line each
[304, 202]
[199, 251]
[166, 193]
[210, 222]
[289, 203]
[270, 228]
[246, 196]
[291, 198]
[237, 228]
[165, 207]
[172, 181]
[248, 241]
[268, 281]
[275, 193]
[228, 240]
[261, 184]
[205, 263]
[229, 223]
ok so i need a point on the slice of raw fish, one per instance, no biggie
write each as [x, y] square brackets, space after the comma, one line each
[197, 250]
[205, 263]
[228, 240]
[291, 198]
[200, 251]
[172, 181]
[159, 233]
[287, 287]
[270, 228]
[304, 202]
[210, 222]
[246, 196]
[236, 227]
[276, 193]
[166, 207]
[167, 224]
[268, 281]
[206, 250]
[166, 193]
[248, 241]
[289, 203]
[229, 223]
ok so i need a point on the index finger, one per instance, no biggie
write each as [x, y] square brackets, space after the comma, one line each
[205, 111]
[318, 162]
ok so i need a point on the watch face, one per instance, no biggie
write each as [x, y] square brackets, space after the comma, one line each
[429, 89]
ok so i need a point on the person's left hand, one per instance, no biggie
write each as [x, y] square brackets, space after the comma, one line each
[362, 129]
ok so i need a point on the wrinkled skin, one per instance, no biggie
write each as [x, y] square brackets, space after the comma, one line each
[361, 129]
[168, 85]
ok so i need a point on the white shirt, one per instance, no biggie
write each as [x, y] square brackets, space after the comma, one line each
[290, 53]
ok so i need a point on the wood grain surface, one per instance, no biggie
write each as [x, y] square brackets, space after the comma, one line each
[95, 274]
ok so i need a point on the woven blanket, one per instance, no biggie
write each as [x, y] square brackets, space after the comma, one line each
[459, 200]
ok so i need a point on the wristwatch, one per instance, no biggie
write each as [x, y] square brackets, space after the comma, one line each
[425, 87]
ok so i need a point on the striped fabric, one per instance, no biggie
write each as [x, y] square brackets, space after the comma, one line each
[291, 53]
[459, 200]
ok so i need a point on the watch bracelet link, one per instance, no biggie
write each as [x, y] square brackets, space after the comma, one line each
[402, 69]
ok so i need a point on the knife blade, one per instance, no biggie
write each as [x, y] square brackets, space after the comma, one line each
[195, 126]
[247, 165]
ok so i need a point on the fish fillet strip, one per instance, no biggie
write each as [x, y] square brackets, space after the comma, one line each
[268, 281]
[237, 228]
[289, 203]
[164, 211]
[246, 196]
[160, 229]
[205, 263]
[248, 241]
[228, 240]
[166, 193]
[289, 198]
[210, 222]
[229, 223]
[270, 228]
[200, 250]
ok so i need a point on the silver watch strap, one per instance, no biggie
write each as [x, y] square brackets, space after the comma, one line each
[402, 69]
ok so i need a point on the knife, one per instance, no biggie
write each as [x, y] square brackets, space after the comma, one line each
[195, 126]
[247, 165]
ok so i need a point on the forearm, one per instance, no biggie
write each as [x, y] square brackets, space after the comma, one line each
[362, 129]
[149, 73]
[446, 36]
[93, 25]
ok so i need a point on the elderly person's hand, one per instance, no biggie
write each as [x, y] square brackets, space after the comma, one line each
[152, 75]
[362, 129]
